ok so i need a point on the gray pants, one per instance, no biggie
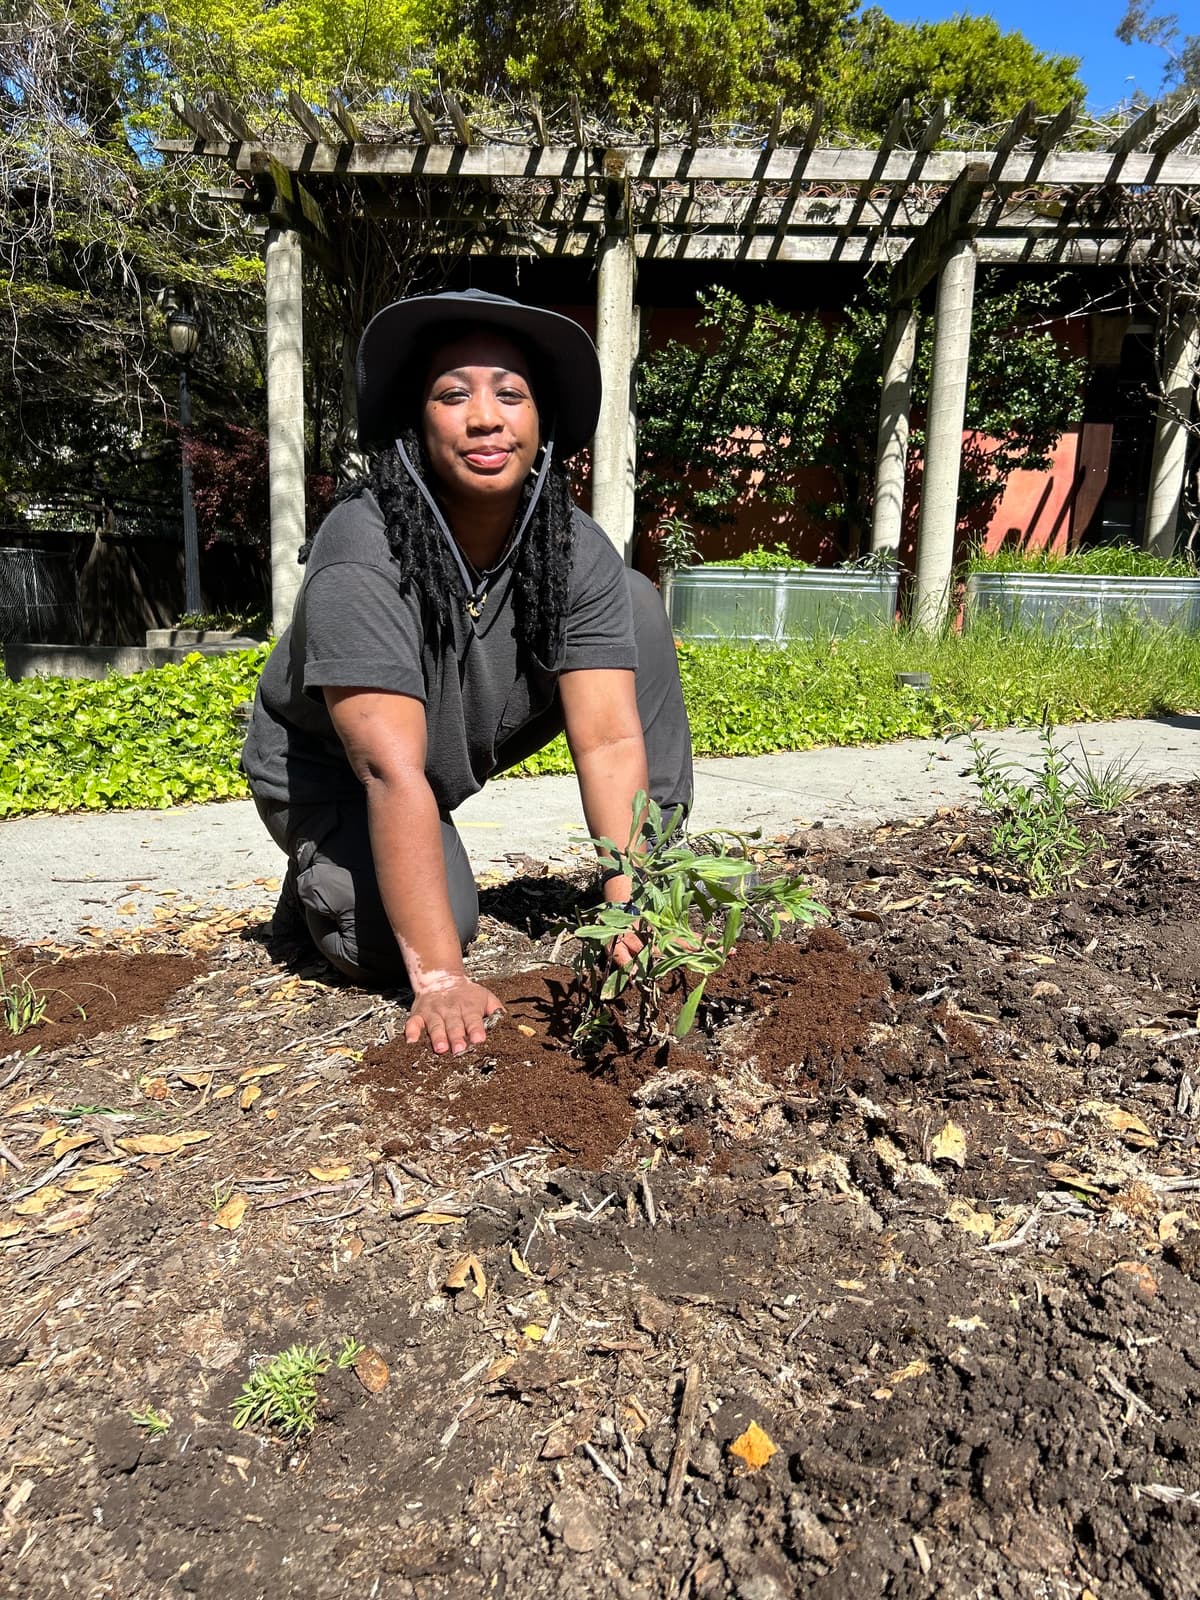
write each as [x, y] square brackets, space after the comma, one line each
[331, 874]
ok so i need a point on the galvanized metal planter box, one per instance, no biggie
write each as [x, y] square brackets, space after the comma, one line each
[1050, 600]
[712, 601]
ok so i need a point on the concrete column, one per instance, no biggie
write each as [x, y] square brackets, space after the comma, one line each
[613, 449]
[943, 437]
[285, 418]
[899, 356]
[1171, 436]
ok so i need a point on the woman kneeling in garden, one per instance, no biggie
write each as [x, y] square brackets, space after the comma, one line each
[457, 611]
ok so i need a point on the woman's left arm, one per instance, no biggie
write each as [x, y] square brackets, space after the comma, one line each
[604, 733]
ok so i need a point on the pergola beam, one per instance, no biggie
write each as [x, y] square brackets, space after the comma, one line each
[201, 124]
[229, 117]
[302, 114]
[946, 225]
[1062, 168]
[422, 121]
[458, 117]
[1136, 133]
[1173, 136]
[1056, 129]
[339, 110]
[1020, 126]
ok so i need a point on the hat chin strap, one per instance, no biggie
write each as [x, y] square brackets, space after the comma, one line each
[477, 590]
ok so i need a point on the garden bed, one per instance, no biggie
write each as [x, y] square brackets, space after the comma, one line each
[919, 1200]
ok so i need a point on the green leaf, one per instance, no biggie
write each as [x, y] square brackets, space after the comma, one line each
[687, 1012]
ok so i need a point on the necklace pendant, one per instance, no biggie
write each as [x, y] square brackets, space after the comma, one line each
[475, 605]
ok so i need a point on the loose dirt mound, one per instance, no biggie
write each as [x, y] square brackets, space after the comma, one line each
[919, 1200]
[81, 996]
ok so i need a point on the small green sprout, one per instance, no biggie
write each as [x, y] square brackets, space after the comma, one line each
[21, 1005]
[348, 1354]
[156, 1423]
[282, 1392]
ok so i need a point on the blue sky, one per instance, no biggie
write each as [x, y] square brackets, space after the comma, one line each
[1085, 28]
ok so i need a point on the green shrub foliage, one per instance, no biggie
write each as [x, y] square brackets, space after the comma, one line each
[155, 738]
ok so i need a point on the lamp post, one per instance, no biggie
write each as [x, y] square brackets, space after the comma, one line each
[183, 330]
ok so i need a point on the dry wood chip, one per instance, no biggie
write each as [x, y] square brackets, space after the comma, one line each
[753, 1449]
[230, 1215]
[371, 1371]
[467, 1271]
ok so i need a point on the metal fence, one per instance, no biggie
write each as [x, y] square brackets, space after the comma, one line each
[39, 597]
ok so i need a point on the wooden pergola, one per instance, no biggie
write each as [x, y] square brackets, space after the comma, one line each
[917, 210]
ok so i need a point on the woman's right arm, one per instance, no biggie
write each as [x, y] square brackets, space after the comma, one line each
[384, 738]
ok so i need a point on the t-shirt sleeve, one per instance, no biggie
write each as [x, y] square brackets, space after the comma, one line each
[599, 625]
[361, 632]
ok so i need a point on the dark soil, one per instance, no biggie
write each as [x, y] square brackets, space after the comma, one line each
[80, 996]
[919, 1198]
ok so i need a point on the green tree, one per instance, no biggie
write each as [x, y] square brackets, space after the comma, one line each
[735, 57]
[253, 53]
[769, 393]
[1142, 26]
[986, 74]
[90, 234]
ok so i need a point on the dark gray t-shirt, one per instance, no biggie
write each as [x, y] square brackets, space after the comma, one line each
[356, 626]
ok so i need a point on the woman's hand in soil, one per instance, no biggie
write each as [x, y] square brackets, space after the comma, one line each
[627, 947]
[452, 1015]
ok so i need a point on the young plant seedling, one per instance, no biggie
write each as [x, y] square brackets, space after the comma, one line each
[1109, 786]
[1033, 829]
[282, 1393]
[21, 1005]
[692, 896]
[156, 1423]
[349, 1352]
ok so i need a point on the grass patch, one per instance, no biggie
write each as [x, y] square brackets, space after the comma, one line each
[169, 736]
[746, 700]
[1100, 561]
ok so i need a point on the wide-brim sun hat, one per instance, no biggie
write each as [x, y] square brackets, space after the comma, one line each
[401, 332]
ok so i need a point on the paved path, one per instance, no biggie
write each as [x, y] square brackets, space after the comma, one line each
[59, 873]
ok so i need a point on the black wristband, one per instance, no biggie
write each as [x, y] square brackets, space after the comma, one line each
[610, 873]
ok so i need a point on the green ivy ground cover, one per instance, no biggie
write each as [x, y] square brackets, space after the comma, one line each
[169, 736]
[155, 738]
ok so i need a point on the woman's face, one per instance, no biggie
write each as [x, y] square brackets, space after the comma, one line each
[480, 419]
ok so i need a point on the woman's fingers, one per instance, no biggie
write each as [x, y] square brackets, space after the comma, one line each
[453, 1017]
[627, 947]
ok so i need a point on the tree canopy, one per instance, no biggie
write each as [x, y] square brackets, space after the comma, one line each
[1141, 25]
[731, 59]
[986, 74]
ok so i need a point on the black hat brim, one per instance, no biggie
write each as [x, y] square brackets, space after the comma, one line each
[399, 332]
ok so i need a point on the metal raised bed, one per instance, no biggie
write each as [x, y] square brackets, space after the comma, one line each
[711, 602]
[1070, 600]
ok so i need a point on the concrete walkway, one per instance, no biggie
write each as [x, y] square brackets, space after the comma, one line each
[58, 874]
